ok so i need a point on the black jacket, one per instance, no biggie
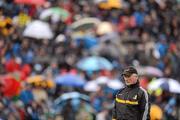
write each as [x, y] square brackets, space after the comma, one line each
[131, 103]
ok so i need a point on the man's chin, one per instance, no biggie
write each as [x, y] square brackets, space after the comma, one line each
[128, 84]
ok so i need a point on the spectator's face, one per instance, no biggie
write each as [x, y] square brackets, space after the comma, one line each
[130, 79]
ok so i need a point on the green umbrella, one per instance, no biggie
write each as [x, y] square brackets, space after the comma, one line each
[85, 24]
[55, 13]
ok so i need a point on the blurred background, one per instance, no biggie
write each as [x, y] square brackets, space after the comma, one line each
[62, 59]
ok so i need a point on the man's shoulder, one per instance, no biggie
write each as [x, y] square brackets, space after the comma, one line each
[120, 90]
[142, 91]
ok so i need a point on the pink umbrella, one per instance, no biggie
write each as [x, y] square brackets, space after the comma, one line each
[30, 2]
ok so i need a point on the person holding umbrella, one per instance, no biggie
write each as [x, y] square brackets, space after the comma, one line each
[131, 102]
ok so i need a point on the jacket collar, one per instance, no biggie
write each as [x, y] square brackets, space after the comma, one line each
[133, 85]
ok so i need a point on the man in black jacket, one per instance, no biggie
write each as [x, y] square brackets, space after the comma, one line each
[131, 102]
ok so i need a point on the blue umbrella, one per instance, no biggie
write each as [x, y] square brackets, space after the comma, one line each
[75, 98]
[71, 95]
[94, 63]
[70, 80]
[88, 41]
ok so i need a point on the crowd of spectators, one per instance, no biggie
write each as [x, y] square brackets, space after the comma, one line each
[140, 33]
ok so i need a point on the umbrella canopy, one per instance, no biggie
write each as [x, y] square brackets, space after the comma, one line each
[70, 80]
[88, 41]
[10, 86]
[109, 4]
[38, 30]
[102, 80]
[39, 80]
[35, 79]
[71, 95]
[30, 2]
[12, 65]
[167, 84]
[56, 13]
[115, 84]
[94, 63]
[74, 97]
[91, 86]
[150, 71]
[104, 28]
[85, 24]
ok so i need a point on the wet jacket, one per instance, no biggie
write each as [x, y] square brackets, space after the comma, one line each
[131, 103]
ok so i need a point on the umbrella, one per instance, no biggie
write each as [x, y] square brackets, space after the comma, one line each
[75, 98]
[102, 80]
[91, 86]
[88, 41]
[70, 80]
[12, 65]
[115, 84]
[85, 24]
[35, 79]
[94, 63]
[71, 95]
[56, 13]
[109, 4]
[39, 80]
[38, 30]
[150, 71]
[34, 2]
[167, 84]
[104, 28]
[10, 86]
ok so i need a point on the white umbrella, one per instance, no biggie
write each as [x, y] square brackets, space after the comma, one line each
[150, 71]
[91, 86]
[154, 71]
[39, 30]
[115, 84]
[104, 28]
[155, 84]
[102, 80]
[165, 83]
[174, 86]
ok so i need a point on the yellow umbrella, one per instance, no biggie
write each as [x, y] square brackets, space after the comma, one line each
[156, 112]
[109, 4]
[50, 84]
[46, 84]
[35, 79]
[39, 80]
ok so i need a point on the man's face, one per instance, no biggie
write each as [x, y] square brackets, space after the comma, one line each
[130, 79]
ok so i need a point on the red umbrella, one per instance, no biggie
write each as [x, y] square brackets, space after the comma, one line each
[12, 66]
[10, 86]
[26, 69]
[30, 2]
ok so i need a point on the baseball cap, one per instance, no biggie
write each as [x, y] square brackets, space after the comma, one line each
[129, 71]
